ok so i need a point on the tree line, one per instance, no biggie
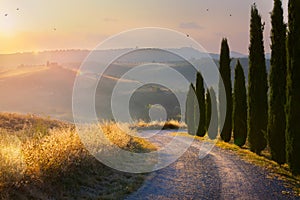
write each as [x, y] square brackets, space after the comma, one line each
[267, 112]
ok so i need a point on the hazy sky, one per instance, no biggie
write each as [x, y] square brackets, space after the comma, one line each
[35, 25]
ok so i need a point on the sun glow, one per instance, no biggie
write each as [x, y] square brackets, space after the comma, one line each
[7, 27]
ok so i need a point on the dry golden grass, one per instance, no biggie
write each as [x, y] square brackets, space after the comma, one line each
[12, 166]
[171, 124]
[48, 158]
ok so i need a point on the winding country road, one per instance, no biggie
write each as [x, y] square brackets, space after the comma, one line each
[220, 175]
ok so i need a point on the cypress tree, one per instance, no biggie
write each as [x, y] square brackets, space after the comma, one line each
[208, 109]
[200, 93]
[190, 116]
[225, 72]
[293, 88]
[277, 82]
[211, 111]
[239, 107]
[257, 86]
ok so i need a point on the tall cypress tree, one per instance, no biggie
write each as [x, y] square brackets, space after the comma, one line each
[190, 112]
[239, 107]
[277, 82]
[208, 109]
[200, 93]
[225, 72]
[293, 88]
[211, 114]
[257, 86]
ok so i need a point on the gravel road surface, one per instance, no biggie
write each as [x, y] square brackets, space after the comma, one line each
[220, 175]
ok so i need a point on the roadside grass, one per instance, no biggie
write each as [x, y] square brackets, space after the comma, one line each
[282, 172]
[43, 158]
[154, 125]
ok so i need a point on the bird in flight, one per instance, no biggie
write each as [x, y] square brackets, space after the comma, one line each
[54, 29]
[5, 15]
[17, 9]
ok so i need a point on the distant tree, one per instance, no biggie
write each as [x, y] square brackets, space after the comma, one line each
[211, 114]
[208, 109]
[257, 86]
[239, 107]
[190, 113]
[225, 72]
[293, 88]
[277, 82]
[200, 93]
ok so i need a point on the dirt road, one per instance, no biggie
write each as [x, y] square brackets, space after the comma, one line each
[220, 175]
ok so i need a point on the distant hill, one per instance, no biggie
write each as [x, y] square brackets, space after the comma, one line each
[73, 58]
[47, 92]
[30, 85]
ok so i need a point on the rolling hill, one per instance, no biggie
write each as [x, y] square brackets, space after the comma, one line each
[29, 85]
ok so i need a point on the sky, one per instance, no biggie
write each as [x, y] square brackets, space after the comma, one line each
[38, 25]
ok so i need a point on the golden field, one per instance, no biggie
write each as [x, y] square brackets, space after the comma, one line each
[42, 158]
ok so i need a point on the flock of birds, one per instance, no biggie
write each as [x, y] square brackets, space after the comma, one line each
[6, 14]
[187, 35]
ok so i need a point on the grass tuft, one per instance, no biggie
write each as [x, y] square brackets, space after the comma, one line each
[154, 125]
[46, 159]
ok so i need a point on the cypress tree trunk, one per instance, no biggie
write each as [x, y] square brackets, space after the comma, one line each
[225, 72]
[200, 93]
[239, 107]
[277, 82]
[211, 114]
[257, 86]
[293, 88]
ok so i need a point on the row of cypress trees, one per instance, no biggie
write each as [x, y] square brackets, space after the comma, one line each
[236, 103]
[278, 123]
[251, 116]
[200, 107]
[293, 88]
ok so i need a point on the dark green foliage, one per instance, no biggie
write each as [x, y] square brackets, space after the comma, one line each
[200, 93]
[239, 107]
[257, 86]
[226, 76]
[211, 114]
[191, 109]
[293, 88]
[207, 109]
[277, 82]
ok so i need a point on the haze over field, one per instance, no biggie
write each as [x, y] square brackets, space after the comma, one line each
[42, 83]
[44, 32]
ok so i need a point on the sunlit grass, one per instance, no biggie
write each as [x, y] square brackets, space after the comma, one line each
[279, 171]
[43, 155]
[171, 124]
[12, 166]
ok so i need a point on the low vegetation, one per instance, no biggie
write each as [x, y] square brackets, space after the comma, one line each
[154, 125]
[43, 158]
